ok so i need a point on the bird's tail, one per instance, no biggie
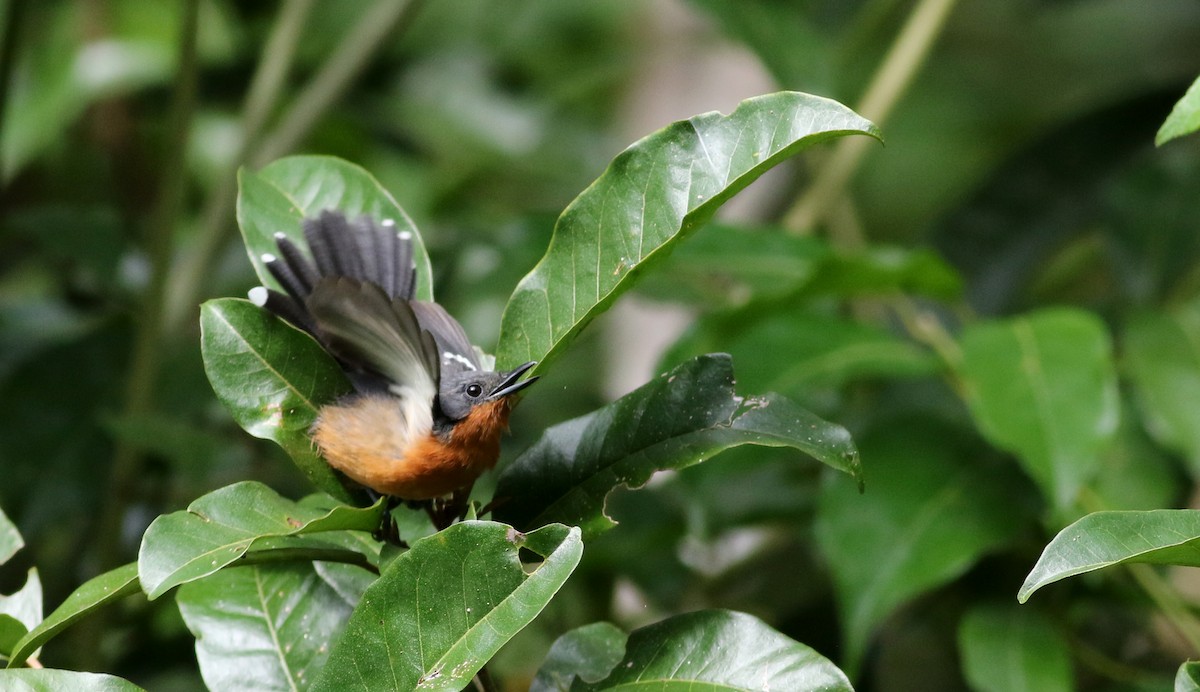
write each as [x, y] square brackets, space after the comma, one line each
[364, 250]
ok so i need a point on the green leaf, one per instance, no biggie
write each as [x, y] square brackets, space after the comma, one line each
[10, 538]
[1184, 118]
[1162, 351]
[223, 525]
[1187, 679]
[281, 195]
[11, 631]
[272, 378]
[1103, 539]
[269, 626]
[654, 194]
[48, 680]
[587, 653]
[677, 419]
[25, 605]
[93, 594]
[441, 610]
[1043, 387]
[1013, 648]
[932, 511]
[718, 650]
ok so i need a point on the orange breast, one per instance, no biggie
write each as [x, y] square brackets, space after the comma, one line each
[368, 440]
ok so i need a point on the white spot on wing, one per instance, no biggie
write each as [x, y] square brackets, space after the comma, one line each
[268, 257]
[458, 357]
[258, 295]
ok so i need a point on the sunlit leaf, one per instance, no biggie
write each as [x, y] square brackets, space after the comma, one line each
[1043, 386]
[49, 680]
[278, 197]
[928, 515]
[222, 526]
[678, 419]
[93, 594]
[269, 627]
[718, 650]
[654, 194]
[1184, 118]
[1013, 648]
[10, 538]
[272, 378]
[1103, 539]
[441, 610]
[1187, 678]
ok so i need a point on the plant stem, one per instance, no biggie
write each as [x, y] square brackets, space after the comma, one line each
[147, 350]
[321, 93]
[891, 80]
[347, 557]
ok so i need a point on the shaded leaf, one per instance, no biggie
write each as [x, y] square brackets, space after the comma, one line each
[272, 378]
[441, 610]
[269, 627]
[278, 197]
[11, 631]
[95, 593]
[1043, 387]
[1162, 351]
[49, 680]
[1013, 648]
[676, 420]
[654, 194]
[931, 512]
[1184, 118]
[1103, 539]
[587, 653]
[718, 649]
[223, 525]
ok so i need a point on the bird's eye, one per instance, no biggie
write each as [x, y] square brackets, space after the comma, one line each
[474, 390]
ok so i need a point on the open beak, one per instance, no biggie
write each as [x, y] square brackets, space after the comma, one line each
[509, 385]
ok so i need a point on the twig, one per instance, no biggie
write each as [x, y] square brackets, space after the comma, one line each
[889, 83]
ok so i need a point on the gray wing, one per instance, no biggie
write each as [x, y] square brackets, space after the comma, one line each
[455, 352]
[370, 332]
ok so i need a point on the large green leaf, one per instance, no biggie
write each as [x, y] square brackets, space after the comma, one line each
[1184, 118]
[277, 198]
[718, 650]
[1187, 678]
[269, 627]
[224, 525]
[931, 512]
[677, 419]
[1043, 387]
[10, 538]
[586, 653]
[654, 194]
[273, 379]
[24, 606]
[1013, 648]
[49, 680]
[91, 595]
[1103, 539]
[440, 611]
[1162, 351]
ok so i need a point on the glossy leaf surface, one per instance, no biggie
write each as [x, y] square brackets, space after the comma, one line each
[1184, 118]
[222, 526]
[718, 650]
[269, 627]
[1044, 388]
[272, 379]
[95, 593]
[1187, 678]
[10, 538]
[278, 197]
[926, 517]
[1103, 539]
[440, 611]
[50, 680]
[676, 420]
[1013, 648]
[653, 195]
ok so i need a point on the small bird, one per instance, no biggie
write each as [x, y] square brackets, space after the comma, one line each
[425, 417]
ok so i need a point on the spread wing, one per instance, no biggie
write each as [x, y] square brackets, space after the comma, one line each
[455, 352]
[371, 333]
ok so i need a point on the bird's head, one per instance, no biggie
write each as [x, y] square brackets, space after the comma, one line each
[463, 390]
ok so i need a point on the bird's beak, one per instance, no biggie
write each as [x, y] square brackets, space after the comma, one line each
[509, 385]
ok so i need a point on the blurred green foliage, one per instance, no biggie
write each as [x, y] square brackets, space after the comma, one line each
[1019, 174]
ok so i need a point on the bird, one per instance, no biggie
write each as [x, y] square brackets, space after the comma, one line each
[425, 417]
